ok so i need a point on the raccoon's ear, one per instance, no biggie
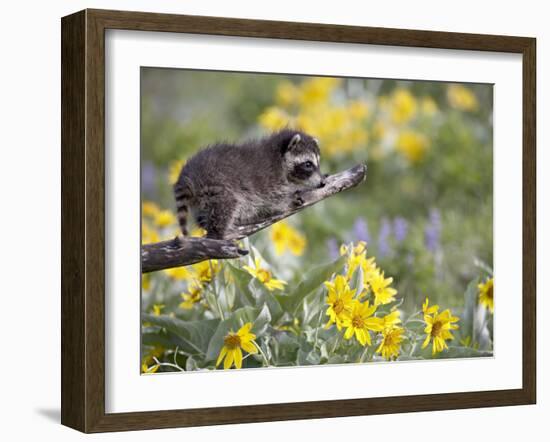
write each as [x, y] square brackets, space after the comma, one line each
[294, 142]
[287, 145]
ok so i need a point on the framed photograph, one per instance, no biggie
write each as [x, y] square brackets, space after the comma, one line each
[269, 220]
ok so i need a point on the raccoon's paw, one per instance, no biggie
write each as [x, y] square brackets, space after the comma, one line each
[297, 200]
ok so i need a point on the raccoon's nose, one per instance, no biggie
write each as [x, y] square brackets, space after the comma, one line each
[323, 181]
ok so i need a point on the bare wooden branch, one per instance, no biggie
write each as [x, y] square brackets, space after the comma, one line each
[185, 251]
[181, 251]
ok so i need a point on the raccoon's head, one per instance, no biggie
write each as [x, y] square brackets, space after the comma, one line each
[301, 157]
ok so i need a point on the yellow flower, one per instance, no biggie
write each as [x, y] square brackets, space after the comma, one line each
[286, 237]
[383, 294]
[462, 98]
[391, 319]
[179, 273]
[145, 282]
[339, 300]
[286, 93]
[358, 258]
[205, 270]
[149, 370]
[391, 342]
[317, 90]
[174, 170]
[358, 110]
[403, 106]
[264, 276]
[360, 321]
[198, 232]
[307, 123]
[412, 145]
[427, 310]
[193, 295]
[379, 130]
[368, 266]
[297, 244]
[358, 249]
[232, 345]
[157, 309]
[357, 136]
[149, 358]
[274, 118]
[486, 291]
[148, 235]
[438, 330]
[148, 208]
[165, 218]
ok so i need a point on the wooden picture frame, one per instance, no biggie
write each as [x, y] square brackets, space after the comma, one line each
[83, 219]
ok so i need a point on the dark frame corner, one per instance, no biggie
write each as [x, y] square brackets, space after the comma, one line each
[83, 216]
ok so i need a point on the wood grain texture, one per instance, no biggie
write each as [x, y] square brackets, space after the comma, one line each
[182, 251]
[529, 220]
[83, 218]
[73, 252]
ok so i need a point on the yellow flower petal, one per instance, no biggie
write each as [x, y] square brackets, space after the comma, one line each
[238, 358]
[249, 347]
[229, 359]
[223, 352]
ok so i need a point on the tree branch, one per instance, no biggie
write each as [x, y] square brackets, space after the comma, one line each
[182, 251]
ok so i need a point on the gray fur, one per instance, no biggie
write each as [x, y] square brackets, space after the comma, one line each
[225, 185]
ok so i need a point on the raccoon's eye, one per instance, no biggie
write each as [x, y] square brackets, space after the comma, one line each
[308, 165]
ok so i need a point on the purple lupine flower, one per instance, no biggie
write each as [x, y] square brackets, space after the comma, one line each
[361, 230]
[148, 178]
[432, 231]
[384, 248]
[400, 228]
[333, 250]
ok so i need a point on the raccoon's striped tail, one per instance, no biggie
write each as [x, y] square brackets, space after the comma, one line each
[183, 195]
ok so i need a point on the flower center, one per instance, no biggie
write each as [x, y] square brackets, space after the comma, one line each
[490, 292]
[436, 328]
[264, 275]
[232, 341]
[277, 236]
[338, 306]
[357, 322]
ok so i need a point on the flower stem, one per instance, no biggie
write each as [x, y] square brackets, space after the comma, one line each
[167, 364]
[262, 353]
[361, 359]
[336, 342]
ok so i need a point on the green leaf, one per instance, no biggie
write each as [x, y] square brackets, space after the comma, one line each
[262, 321]
[357, 281]
[463, 352]
[263, 296]
[307, 355]
[191, 364]
[162, 339]
[468, 315]
[194, 335]
[285, 347]
[241, 280]
[311, 281]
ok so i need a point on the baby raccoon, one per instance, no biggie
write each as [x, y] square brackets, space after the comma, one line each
[227, 185]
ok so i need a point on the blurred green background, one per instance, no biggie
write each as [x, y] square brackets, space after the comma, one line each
[425, 209]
